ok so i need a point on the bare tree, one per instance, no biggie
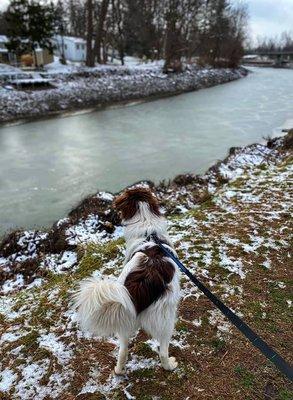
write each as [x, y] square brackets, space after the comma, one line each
[176, 30]
[119, 8]
[90, 59]
[74, 17]
[284, 42]
[172, 48]
[100, 32]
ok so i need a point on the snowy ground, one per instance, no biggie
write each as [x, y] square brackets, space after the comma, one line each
[77, 87]
[231, 227]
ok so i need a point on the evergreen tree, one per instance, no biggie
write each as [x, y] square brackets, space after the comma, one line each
[30, 24]
[3, 23]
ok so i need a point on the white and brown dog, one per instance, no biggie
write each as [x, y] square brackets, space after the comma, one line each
[146, 293]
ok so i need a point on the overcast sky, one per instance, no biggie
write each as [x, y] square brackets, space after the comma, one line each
[270, 17]
[267, 17]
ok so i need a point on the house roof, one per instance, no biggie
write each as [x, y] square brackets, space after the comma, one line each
[71, 39]
[3, 39]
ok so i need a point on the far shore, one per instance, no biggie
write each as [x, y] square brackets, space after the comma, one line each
[114, 86]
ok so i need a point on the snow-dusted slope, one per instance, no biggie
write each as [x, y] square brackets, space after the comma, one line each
[86, 88]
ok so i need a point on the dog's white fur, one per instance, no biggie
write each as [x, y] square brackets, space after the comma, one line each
[104, 307]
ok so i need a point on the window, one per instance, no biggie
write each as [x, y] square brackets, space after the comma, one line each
[82, 46]
[65, 46]
[77, 47]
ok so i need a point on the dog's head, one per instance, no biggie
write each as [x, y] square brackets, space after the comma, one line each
[127, 203]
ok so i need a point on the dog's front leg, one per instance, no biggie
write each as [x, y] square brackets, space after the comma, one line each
[122, 355]
[168, 363]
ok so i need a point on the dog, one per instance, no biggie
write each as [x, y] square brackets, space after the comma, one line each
[147, 292]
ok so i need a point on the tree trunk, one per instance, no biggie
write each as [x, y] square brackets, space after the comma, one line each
[172, 48]
[35, 57]
[90, 61]
[100, 29]
[105, 54]
[62, 55]
[121, 54]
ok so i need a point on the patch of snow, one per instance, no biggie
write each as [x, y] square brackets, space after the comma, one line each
[127, 394]
[6, 305]
[3, 261]
[28, 385]
[256, 242]
[281, 285]
[136, 363]
[229, 240]
[60, 263]
[118, 233]
[10, 337]
[197, 322]
[232, 265]
[13, 284]
[62, 221]
[266, 264]
[105, 196]
[52, 343]
[7, 379]
[91, 385]
[217, 319]
[153, 344]
[85, 231]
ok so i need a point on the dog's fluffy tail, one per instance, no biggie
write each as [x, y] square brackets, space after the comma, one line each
[104, 307]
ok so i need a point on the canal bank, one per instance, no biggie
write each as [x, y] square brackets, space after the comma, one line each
[107, 86]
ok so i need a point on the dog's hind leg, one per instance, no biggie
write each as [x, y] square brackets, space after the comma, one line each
[168, 363]
[122, 355]
[159, 323]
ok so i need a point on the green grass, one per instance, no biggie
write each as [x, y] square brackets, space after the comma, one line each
[246, 377]
[144, 373]
[181, 327]
[144, 350]
[96, 255]
[285, 395]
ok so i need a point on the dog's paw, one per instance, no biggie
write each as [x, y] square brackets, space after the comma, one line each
[172, 364]
[119, 371]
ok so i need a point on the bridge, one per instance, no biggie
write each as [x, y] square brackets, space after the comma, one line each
[270, 58]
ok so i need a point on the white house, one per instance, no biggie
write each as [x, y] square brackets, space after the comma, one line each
[74, 49]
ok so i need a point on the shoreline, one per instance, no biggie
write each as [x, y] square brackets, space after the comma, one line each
[26, 253]
[100, 89]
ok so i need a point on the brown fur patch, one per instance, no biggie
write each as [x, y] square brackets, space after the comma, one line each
[127, 202]
[149, 281]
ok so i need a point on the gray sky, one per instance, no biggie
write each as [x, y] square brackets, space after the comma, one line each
[270, 17]
[267, 17]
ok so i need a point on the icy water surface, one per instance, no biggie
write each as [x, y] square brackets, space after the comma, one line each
[47, 166]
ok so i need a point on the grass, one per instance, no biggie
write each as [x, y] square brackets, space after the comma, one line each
[246, 377]
[95, 256]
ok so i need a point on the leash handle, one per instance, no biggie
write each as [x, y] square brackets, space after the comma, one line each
[256, 340]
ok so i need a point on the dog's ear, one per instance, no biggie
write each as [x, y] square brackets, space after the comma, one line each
[127, 203]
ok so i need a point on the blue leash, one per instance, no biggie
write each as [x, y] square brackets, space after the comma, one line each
[282, 365]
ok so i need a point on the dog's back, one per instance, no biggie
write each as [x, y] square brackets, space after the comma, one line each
[150, 279]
